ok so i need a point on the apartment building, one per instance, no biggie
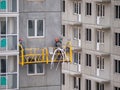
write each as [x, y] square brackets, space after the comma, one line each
[92, 27]
[9, 50]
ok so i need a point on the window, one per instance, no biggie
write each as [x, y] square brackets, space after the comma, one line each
[76, 32]
[88, 34]
[77, 57]
[63, 30]
[116, 88]
[63, 5]
[35, 28]
[88, 84]
[117, 66]
[8, 73]
[100, 10]
[63, 79]
[88, 60]
[77, 7]
[99, 86]
[117, 39]
[35, 69]
[100, 36]
[88, 9]
[100, 62]
[117, 11]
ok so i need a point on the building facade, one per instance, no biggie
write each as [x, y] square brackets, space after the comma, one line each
[92, 27]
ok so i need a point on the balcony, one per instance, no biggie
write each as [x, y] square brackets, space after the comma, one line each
[71, 69]
[8, 6]
[97, 79]
[8, 34]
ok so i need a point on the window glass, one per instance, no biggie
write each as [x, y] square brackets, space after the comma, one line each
[31, 27]
[40, 28]
[31, 68]
[39, 68]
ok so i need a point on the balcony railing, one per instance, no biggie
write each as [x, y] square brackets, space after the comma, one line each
[71, 69]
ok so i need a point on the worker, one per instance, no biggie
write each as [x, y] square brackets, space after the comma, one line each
[58, 42]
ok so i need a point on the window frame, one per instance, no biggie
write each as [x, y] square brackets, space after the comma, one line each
[117, 14]
[35, 69]
[100, 86]
[88, 34]
[116, 66]
[35, 28]
[77, 7]
[117, 39]
[100, 36]
[100, 10]
[78, 54]
[75, 82]
[100, 62]
[88, 60]
[88, 84]
[88, 6]
[78, 36]
[116, 88]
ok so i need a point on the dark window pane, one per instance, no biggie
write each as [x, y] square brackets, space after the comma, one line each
[3, 66]
[39, 68]
[116, 39]
[3, 27]
[31, 27]
[103, 10]
[63, 6]
[79, 8]
[87, 87]
[31, 68]
[74, 82]
[87, 9]
[119, 66]
[97, 86]
[40, 28]
[115, 88]
[89, 84]
[90, 9]
[86, 59]
[89, 60]
[63, 79]
[119, 12]
[63, 30]
[79, 84]
[116, 11]
[86, 34]
[89, 34]
[115, 65]
[119, 39]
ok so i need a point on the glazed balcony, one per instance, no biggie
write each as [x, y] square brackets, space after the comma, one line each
[8, 6]
[8, 34]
